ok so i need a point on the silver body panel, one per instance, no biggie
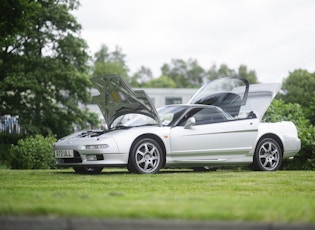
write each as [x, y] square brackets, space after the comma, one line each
[230, 142]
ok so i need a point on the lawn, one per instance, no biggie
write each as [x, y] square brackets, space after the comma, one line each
[282, 196]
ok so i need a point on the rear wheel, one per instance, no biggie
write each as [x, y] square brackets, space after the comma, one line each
[88, 170]
[146, 157]
[268, 155]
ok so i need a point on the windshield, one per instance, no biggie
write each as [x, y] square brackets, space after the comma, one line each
[168, 116]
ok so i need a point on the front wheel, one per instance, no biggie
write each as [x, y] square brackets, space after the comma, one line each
[146, 157]
[88, 170]
[268, 155]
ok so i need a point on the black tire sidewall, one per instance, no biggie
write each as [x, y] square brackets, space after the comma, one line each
[133, 166]
[256, 162]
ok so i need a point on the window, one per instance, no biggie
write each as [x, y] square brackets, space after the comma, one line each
[204, 116]
[173, 100]
[208, 116]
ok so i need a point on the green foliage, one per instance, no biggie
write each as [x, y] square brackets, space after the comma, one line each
[141, 77]
[43, 66]
[161, 82]
[305, 159]
[186, 74]
[225, 71]
[280, 111]
[14, 20]
[106, 62]
[6, 140]
[250, 75]
[299, 88]
[102, 68]
[191, 75]
[177, 74]
[33, 153]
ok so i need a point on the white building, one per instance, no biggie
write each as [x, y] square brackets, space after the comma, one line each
[167, 96]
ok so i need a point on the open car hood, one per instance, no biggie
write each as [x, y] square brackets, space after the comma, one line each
[236, 96]
[116, 98]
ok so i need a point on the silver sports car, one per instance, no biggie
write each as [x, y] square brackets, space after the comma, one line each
[220, 126]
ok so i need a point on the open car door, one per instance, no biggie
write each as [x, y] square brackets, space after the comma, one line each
[237, 97]
[221, 93]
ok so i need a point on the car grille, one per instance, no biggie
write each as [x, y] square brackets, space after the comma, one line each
[76, 158]
[99, 157]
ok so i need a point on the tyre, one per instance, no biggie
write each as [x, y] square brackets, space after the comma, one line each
[146, 157]
[268, 155]
[130, 168]
[88, 170]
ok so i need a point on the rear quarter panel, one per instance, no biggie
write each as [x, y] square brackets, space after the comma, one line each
[286, 131]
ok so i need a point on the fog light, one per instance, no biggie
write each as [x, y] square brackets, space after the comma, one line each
[91, 157]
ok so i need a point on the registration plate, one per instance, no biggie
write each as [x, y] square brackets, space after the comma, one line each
[64, 153]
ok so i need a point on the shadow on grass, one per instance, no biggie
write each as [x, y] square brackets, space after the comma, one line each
[123, 171]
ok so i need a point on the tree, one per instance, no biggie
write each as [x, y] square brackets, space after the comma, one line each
[191, 75]
[225, 71]
[186, 74]
[161, 82]
[250, 75]
[141, 77]
[106, 62]
[43, 66]
[102, 55]
[102, 68]
[299, 88]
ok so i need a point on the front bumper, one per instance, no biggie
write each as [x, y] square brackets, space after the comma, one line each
[84, 156]
[93, 159]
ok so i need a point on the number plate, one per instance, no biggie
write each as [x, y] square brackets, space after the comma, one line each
[64, 153]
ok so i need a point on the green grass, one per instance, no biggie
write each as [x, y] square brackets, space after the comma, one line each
[282, 196]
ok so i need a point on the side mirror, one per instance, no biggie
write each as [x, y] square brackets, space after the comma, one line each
[189, 123]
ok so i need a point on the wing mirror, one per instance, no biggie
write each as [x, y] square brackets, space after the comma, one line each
[189, 123]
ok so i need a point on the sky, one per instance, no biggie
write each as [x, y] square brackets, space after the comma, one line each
[271, 37]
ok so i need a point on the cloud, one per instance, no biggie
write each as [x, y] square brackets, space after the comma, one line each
[270, 37]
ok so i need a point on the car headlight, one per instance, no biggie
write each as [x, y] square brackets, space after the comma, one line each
[102, 146]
